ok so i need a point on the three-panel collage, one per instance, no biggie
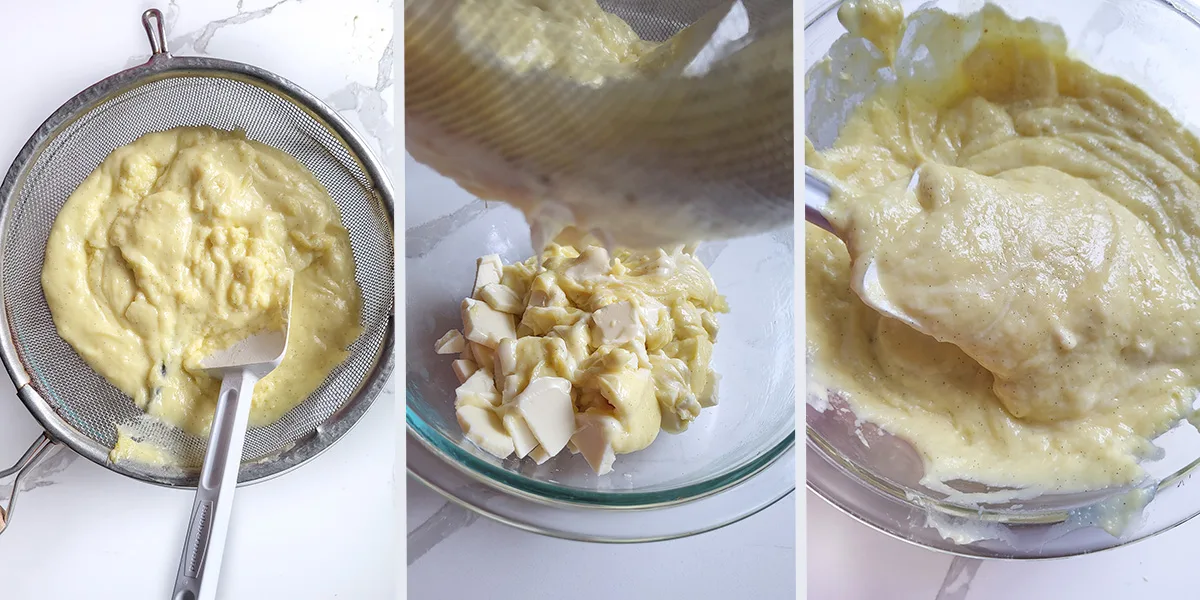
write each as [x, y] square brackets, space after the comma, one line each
[507, 299]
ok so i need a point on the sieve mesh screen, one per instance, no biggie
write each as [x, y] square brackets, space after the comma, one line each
[82, 398]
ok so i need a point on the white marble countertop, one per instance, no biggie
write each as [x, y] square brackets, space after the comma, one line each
[80, 531]
[850, 561]
[454, 553]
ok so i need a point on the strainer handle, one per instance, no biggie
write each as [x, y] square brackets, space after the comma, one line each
[152, 21]
[40, 448]
[200, 566]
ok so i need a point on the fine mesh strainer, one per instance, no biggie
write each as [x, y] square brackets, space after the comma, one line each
[697, 146]
[76, 406]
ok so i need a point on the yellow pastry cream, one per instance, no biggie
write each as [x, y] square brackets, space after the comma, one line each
[573, 38]
[583, 350]
[1034, 226]
[183, 243]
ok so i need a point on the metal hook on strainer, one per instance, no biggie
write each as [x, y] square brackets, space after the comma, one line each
[77, 407]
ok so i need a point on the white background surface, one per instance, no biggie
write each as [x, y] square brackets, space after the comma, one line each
[850, 561]
[473, 557]
[324, 531]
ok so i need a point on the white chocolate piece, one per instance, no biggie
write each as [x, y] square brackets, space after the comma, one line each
[617, 323]
[523, 439]
[546, 405]
[483, 356]
[592, 441]
[475, 399]
[539, 455]
[450, 343]
[593, 262]
[502, 298]
[484, 428]
[464, 369]
[708, 399]
[485, 325]
[593, 339]
[506, 357]
[545, 292]
[488, 269]
[510, 389]
[479, 384]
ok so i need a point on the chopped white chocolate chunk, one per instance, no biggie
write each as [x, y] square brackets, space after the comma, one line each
[483, 356]
[544, 291]
[502, 298]
[546, 405]
[523, 439]
[488, 269]
[451, 343]
[617, 323]
[463, 369]
[478, 385]
[485, 325]
[484, 428]
[540, 321]
[593, 262]
[576, 337]
[586, 351]
[708, 398]
[475, 399]
[506, 357]
[592, 441]
[539, 455]
[512, 387]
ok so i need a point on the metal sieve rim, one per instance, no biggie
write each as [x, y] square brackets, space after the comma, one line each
[163, 66]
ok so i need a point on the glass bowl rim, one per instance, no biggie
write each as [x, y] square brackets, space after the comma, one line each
[553, 494]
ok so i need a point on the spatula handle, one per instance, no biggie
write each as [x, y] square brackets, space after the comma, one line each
[205, 542]
[816, 200]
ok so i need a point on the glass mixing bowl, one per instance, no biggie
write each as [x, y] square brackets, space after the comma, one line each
[873, 476]
[735, 459]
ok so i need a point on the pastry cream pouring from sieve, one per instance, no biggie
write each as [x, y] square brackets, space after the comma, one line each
[687, 140]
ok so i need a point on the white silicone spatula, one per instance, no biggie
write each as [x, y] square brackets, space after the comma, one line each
[240, 367]
[816, 206]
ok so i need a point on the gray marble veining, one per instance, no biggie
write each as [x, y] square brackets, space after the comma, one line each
[197, 41]
[367, 102]
[959, 576]
[447, 520]
[370, 105]
[419, 240]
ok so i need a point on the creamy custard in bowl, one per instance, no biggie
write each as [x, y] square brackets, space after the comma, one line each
[1037, 223]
